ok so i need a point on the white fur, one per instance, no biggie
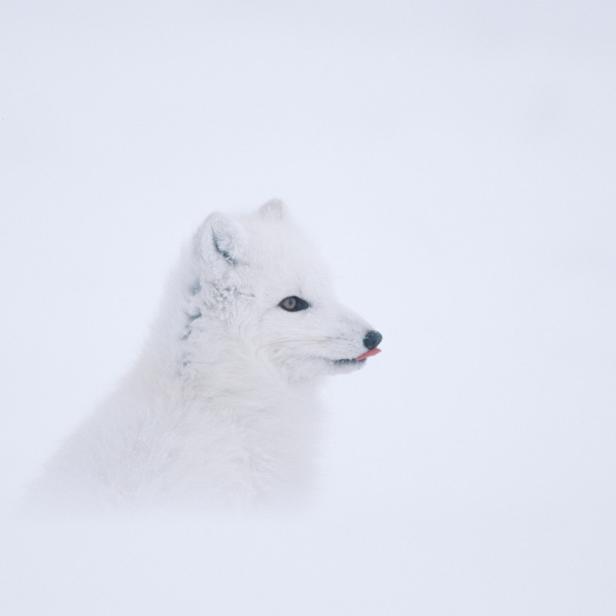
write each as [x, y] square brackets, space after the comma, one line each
[221, 407]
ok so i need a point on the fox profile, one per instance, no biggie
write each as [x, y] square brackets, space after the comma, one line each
[221, 406]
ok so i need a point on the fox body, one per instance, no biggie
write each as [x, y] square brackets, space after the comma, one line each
[221, 406]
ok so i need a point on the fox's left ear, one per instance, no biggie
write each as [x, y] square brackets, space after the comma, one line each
[274, 209]
[221, 241]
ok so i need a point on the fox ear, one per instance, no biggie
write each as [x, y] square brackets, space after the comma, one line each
[274, 209]
[221, 240]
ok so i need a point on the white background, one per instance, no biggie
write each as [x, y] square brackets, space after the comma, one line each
[455, 162]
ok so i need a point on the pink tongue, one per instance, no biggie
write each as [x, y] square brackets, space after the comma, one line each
[369, 353]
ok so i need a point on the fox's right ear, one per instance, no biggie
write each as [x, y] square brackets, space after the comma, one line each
[274, 209]
[220, 240]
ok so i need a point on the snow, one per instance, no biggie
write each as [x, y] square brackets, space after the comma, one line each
[455, 164]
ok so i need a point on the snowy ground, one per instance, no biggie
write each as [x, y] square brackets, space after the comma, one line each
[455, 161]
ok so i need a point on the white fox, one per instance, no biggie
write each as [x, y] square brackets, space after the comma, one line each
[221, 408]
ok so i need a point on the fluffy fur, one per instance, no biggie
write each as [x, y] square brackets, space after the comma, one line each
[221, 408]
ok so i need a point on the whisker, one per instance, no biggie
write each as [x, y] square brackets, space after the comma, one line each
[304, 340]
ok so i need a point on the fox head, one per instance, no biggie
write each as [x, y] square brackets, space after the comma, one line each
[262, 284]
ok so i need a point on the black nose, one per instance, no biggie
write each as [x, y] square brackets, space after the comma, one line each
[372, 339]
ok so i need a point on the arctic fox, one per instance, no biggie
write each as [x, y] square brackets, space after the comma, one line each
[221, 407]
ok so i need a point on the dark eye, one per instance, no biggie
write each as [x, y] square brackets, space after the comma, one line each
[294, 304]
